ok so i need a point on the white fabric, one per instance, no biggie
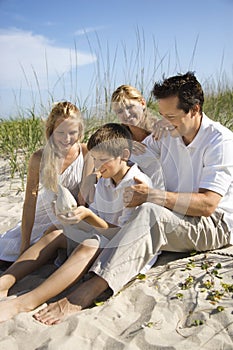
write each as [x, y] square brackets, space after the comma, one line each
[44, 217]
[150, 166]
[109, 197]
[207, 162]
[108, 204]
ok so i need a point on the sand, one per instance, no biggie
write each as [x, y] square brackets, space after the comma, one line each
[157, 311]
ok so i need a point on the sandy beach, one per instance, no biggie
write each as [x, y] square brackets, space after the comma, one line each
[183, 302]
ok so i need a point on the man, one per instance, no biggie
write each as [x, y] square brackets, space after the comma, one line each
[194, 212]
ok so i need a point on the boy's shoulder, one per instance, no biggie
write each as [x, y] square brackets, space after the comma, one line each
[133, 172]
[137, 172]
[128, 179]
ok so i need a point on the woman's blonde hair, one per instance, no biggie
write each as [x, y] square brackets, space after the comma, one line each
[50, 168]
[127, 92]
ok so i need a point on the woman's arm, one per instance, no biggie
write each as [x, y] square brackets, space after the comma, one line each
[29, 207]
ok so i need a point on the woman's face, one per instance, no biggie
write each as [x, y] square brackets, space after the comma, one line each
[66, 133]
[131, 112]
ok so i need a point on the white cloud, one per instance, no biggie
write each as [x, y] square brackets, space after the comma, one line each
[25, 51]
[87, 30]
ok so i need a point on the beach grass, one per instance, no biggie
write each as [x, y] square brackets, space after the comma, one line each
[20, 137]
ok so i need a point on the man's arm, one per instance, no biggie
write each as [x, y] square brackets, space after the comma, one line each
[202, 203]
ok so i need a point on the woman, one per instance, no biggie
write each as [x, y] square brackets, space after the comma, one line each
[62, 160]
[130, 107]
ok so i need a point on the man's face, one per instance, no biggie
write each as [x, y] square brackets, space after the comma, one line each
[182, 124]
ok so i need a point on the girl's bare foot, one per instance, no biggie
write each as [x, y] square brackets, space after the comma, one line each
[6, 282]
[78, 300]
[55, 312]
[3, 294]
[11, 307]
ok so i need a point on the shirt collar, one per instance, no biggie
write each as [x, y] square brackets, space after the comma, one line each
[204, 125]
[126, 179]
[205, 122]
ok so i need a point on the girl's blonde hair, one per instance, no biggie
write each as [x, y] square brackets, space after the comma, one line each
[127, 92]
[50, 167]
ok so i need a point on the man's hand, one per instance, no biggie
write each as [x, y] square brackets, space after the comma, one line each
[136, 194]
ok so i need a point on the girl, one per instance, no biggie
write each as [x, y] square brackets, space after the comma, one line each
[61, 160]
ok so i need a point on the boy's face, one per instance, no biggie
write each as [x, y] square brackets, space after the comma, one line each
[108, 166]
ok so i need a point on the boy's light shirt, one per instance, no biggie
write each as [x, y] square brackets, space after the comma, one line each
[108, 202]
[151, 166]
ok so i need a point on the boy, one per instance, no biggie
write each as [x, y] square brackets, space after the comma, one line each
[110, 147]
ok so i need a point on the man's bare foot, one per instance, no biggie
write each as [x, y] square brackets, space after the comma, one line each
[55, 312]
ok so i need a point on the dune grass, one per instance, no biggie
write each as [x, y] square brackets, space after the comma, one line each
[20, 137]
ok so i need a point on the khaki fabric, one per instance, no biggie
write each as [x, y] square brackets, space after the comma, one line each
[153, 228]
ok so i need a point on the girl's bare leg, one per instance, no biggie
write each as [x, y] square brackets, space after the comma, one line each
[82, 297]
[74, 267]
[33, 258]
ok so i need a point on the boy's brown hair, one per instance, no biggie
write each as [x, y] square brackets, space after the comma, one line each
[111, 138]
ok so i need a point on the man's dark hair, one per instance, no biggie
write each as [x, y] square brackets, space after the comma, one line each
[186, 87]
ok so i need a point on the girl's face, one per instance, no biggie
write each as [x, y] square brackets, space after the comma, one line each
[131, 112]
[66, 134]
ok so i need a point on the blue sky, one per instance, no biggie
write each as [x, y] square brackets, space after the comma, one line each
[75, 50]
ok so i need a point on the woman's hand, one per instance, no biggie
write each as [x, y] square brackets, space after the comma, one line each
[138, 148]
[161, 128]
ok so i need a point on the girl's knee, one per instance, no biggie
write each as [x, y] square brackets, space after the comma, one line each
[87, 249]
[55, 235]
[90, 243]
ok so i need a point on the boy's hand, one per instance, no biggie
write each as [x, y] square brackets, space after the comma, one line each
[137, 194]
[75, 216]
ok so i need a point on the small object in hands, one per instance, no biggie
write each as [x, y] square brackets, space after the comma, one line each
[65, 202]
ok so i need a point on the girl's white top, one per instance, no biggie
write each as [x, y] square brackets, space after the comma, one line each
[10, 241]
